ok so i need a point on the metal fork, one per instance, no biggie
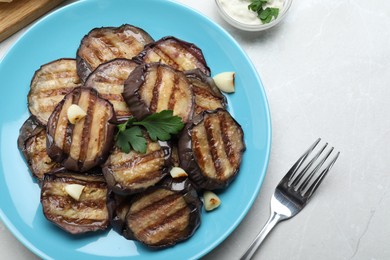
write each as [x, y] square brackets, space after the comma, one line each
[292, 194]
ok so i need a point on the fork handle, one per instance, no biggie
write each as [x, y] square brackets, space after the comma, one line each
[271, 223]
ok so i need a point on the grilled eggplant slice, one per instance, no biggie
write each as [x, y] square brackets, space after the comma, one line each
[155, 87]
[128, 173]
[109, 79]
[32, 143]
[177, 53]
[207, 95]
[81, 146]
[211, 148]
[107, 43]
[164, 215]
[88, 213]
[49, 85]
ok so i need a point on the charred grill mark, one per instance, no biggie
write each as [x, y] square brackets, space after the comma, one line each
[145, 178]
[166, 57]
[212, 144]
[156, 89]
[66, 202]
[44, 93]
[105, 48]
[200, 158]
[114, 97]
[166, 224]
[69, 127]
[58, 74]
[140, 160]
[175, 89]
[151, 208]
[85, 135]
[109, 41]
[78, 220]
[102, 132]
[228, 147]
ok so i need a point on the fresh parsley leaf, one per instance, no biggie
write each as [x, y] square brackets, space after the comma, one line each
[131, 138]
[159, 126]
[257, 5]
[264, 14]
[268, 13]
[162, 125]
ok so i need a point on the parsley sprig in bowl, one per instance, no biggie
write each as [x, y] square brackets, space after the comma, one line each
[253, 15]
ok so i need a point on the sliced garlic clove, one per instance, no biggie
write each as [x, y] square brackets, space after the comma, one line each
[211, 200]
[74, 190]
[225, 81]
[75, 113]
[177, 172]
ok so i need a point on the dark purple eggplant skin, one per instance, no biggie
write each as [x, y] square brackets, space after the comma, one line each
[184, 187]
[118, 206]
[30, 128]
[188, 160]
[57, 154]
[130, 93]
[123, 191]
[190, 47]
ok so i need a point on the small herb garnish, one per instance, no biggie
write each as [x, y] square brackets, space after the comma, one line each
[159, 126]
[264, 14]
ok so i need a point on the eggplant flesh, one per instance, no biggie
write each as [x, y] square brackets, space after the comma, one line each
[211, 148]
[87, 143]
[108, 80]
[32, 143]
[165, 215]
[207, 95]
[128, 173]
[49, 85]
[155, 87]
[176, 53]
[88, 213]
[107, 43]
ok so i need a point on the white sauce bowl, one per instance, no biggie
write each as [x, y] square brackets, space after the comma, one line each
[238, 15]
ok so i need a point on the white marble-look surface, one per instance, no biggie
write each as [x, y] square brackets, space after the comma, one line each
[326, 72]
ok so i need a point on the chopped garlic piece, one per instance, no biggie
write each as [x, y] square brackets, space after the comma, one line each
[225, 81]
[211, 200]
[177, 172]
[75, 113]
[74, 190]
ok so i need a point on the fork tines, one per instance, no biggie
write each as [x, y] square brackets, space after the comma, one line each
[305, 176]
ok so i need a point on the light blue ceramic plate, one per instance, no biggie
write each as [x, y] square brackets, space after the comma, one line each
[58, 35]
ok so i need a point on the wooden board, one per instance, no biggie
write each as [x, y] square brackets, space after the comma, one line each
[19, 13]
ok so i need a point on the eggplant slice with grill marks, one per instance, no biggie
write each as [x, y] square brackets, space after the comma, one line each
[87, 213]
[211, 148]
[165, 215]
[87, 143]
[32, 143]
[207, 95]
[49, 85]
[128, 173]
[107, 43]
[155, 87]
[109, 79]
[176, 53]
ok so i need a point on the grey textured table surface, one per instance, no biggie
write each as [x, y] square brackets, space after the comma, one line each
[326, 72]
